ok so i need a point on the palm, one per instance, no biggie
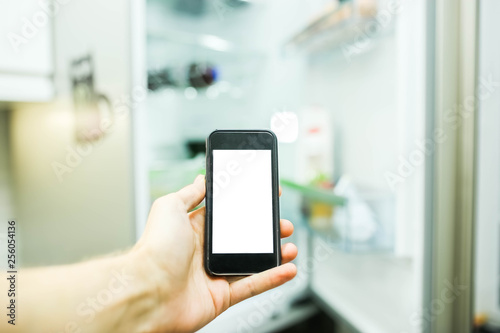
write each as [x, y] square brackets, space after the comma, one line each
[203, 297]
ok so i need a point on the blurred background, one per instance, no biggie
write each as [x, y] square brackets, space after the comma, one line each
[387, 114]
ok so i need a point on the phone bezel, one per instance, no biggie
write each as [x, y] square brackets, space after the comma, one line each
[251, 263]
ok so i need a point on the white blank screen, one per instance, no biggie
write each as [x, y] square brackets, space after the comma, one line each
[242, 219]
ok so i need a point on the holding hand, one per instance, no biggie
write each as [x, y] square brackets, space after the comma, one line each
[173, 243]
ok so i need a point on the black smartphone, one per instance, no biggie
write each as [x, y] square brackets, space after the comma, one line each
[242, 225]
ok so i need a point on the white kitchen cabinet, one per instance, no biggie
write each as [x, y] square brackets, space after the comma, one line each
[26, 63]
[43, 134]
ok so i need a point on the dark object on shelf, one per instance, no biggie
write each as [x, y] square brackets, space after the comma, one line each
[304, 300]
[487, 329]
[197, 75]
[318, 323]
[196, 147]
[201, 75]
[159, 79]
[191, 7]
[237, 3]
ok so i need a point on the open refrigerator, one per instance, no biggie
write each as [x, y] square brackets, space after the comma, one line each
[343, 85]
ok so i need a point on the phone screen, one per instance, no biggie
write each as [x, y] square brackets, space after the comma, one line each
[242, 202]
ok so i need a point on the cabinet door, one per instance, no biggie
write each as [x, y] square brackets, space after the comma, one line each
[26, 49]
[98, 196]
[25, 46]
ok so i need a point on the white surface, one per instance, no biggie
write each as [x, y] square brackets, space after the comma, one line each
[24, 19]
[26, 52]
[410, 195]
[487, 257]
[25, 88]
[361, 97]
[374, 293]
[139, 116]
[242, 201]
[411, 49]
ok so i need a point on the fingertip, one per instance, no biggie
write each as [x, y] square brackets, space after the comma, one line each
[291, 270]
[199, 179]
[193, 194]
[289, 252]
[289, 247]
[199, 183]
[286, 228]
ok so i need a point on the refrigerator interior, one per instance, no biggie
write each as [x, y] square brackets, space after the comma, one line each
[344, 103]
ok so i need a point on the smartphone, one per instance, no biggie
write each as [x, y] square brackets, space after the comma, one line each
[242, 224]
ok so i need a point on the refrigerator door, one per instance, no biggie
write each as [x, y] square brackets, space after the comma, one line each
[487, 256]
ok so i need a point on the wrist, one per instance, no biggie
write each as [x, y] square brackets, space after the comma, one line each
[131, 287]
[148, 298]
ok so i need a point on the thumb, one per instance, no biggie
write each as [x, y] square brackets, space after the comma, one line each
[193, 194]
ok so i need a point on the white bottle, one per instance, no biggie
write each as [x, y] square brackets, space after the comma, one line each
[315, 160]
[315, 145]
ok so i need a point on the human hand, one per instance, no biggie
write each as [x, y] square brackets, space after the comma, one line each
[188, 298]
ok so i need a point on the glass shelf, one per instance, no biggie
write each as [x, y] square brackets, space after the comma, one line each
[350, 223]
[203, 41]
[315, 194]
[338, 25]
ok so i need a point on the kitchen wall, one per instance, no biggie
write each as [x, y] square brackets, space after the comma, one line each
[89, 210]
[5, 195]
